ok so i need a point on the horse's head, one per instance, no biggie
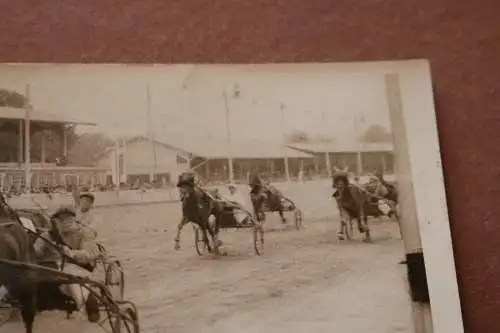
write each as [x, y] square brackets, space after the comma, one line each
[340, 179]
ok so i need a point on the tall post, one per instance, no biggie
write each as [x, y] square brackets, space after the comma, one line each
[43, 149]
[359, 158]
[421, 311]
[65, 141]
[20, 151]
[228, 134]
[27, 140]
[287, 167]
[327, 163]
[150, 134]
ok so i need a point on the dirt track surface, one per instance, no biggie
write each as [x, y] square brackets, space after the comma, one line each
[305, 280]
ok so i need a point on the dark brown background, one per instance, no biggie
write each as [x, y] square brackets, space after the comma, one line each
[461, 39]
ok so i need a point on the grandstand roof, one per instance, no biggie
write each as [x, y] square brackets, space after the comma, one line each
[336, 147]
[215, 148]
[38, 116]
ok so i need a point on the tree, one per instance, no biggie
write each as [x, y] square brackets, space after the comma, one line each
[12, 99]
[297, 136]
[89, 148]
[377, 133]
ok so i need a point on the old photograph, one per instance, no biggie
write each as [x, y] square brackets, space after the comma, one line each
[223, 198]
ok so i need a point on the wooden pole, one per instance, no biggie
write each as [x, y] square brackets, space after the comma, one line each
[286, 161]
[27, 140]
[421, 312]
[20, 143]
[43, 148]
[228, 135]
[150, 134]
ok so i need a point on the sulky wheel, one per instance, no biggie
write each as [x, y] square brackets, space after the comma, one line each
[258, 238]
[7, 311]
[127, 321]
[298, 218]
[115, 279]
[199, 243]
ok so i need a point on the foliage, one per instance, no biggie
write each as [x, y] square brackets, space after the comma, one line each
[12, 99]
[89, 148]
[377, 133]
[84, 149]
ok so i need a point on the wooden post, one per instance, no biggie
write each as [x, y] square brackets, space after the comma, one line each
[43, 148]
[65, 141]
[287, 169]
[20, 151]
[228, 137]
[327, 162]
[27, 141]
[359, 163]
[422, 318]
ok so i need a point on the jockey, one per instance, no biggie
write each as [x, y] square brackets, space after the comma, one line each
[80, 247]
[237, 200]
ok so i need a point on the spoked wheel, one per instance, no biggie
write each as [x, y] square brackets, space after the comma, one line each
[258, 238]
[199, 243]
[298, 218]
[115, 279]
[7, 312]
[127, 321]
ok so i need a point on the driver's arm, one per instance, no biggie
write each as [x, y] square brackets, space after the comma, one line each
[88, 251]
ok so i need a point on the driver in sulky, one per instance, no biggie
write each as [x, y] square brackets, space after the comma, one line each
[79, 246]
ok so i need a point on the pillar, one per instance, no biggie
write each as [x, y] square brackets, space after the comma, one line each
[287, 169]
[20, 157]
[359, 163]
[27, 149]
[327, 162]
[421, 313]
[43, 148]
[65, 141]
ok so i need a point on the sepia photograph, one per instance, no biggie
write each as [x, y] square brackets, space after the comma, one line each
[223, 198]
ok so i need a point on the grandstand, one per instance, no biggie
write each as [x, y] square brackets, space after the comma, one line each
[18, 169]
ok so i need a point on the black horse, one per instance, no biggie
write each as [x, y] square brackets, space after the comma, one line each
[198, 205]
[27, 291]
[352, 201]
[265, 198]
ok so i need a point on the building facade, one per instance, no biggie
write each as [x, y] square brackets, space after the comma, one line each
[139, 160]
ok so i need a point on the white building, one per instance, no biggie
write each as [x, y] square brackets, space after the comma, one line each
[139, 158]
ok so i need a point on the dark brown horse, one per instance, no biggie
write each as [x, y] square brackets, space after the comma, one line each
[17, 245]
[26, 290]
[265, 197]
[198, 205]
[352, 201]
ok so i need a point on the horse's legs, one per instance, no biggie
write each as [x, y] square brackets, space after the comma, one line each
[177, 239]
[28, 309]
[366, 229]
[282, 216]
[215, 233]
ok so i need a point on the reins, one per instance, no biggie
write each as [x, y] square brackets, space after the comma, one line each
[13, 214]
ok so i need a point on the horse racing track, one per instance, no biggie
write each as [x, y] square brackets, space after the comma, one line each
[305, 280]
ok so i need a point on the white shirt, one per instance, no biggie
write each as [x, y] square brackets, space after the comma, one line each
[236, 197]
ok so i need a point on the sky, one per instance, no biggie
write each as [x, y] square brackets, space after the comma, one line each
[272, 99]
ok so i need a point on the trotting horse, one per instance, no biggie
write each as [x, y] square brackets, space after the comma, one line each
[16, 245]
[30, 291]
[263, 195]
[197, 207]
[352, 202]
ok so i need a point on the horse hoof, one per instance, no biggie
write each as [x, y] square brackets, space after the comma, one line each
[177, 247]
